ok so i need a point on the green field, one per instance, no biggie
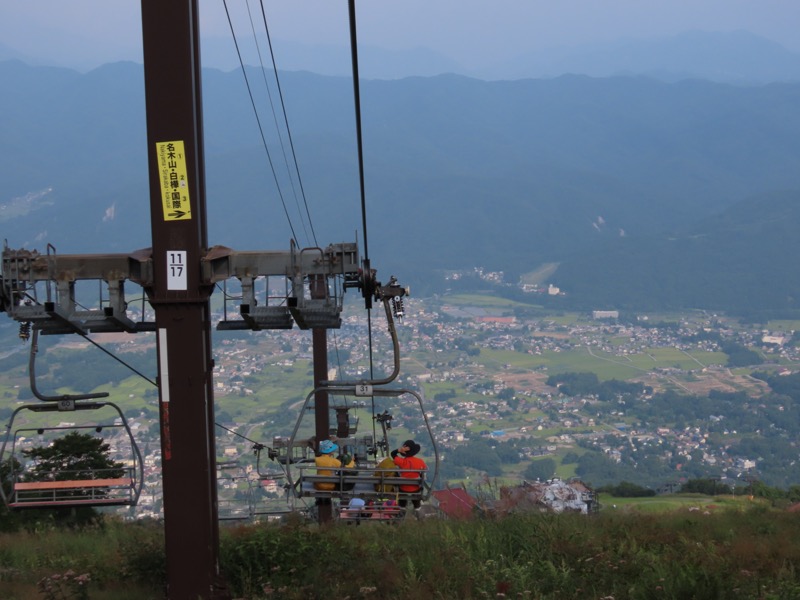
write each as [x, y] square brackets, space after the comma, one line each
[783, 325]
[605, 365]
[485, 301]
[673, 502]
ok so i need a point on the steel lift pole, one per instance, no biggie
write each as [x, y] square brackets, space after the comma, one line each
[179, 297]
[319, 341]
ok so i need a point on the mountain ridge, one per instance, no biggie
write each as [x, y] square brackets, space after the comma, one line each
[736, 57]
[732, 56]
[459, 172]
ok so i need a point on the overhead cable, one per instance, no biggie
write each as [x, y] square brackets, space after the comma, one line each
[362, 187]
[286, 122]
[258, 121]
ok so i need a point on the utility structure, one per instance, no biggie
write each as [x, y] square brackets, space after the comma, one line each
[178, 274]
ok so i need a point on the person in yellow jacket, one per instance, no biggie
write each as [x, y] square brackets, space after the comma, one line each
[326, 464]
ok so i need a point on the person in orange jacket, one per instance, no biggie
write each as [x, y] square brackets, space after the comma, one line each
[405, 457]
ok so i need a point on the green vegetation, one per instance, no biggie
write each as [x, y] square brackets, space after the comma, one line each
[117, 557]
[746, 551]
[540, 469]
[484, 301]
[74, 456]
[625, 489]
[573, 384]
[662, 504]
[604, 364]
[713, 264]
[783, 325]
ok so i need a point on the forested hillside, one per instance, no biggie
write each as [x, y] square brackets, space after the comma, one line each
[735, 261]
[639, 189]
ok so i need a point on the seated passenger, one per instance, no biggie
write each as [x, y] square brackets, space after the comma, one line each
[405, 457]
[386, 510]
[354, 510]
[327, 460]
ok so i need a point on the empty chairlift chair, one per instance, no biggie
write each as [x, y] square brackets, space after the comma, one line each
[91, 476]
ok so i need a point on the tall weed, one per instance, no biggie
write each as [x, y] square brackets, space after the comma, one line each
[730, 555]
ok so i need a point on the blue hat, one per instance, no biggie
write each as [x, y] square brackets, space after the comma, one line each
[327, 447]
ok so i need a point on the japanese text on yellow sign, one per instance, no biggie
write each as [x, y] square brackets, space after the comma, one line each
[174, 182]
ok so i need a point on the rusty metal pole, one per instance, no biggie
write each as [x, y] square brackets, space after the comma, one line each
[319, 344]
[180, 300]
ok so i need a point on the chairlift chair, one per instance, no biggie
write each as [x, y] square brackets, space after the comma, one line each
[229, 508]
[363, 480]
[118, 486]
[256, 504]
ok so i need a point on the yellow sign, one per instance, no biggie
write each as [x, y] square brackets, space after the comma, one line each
[174, 182]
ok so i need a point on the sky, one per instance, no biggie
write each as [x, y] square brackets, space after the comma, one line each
[86, 33]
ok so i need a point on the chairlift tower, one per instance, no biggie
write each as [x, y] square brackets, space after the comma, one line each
[180, 298]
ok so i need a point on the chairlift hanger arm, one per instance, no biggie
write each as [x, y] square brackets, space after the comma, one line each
[391, 297]
[59, 398]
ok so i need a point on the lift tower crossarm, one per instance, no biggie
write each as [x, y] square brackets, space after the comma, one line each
[221, 263]
[59, 312]
[30, 266]
[308, 266]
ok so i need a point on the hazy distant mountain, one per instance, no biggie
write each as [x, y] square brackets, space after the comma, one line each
[373, 62]
[7, 53]
[459, 172]
[729, 57]
[736, 57]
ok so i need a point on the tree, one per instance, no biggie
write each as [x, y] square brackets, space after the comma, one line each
[73, 457]
[7, 468]
[739, 356]
[541, 469]
[626, 489]
[707, 486]
[506, 394]
[508, 452]
[570, 458]
[479, 455]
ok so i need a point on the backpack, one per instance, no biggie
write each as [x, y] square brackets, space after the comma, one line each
[385, 468]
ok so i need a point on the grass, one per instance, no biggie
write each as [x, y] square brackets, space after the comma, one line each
[484, 301]
[656, 503]
[604, 364]
[737, 550]
[783, 325]
[109, 556]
